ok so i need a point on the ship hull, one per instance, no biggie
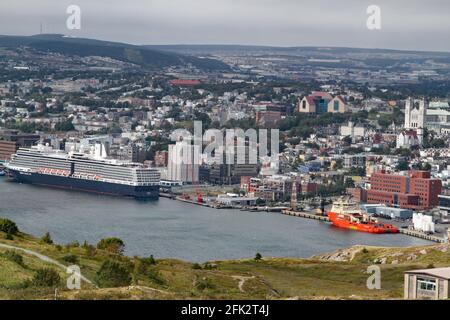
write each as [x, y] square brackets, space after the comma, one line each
[362, 227]
[98, 187]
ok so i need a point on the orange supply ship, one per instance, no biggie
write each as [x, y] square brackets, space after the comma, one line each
[346, 214]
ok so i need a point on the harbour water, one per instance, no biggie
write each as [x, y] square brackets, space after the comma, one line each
[171, 229]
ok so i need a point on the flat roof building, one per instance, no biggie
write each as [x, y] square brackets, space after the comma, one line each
[427, 284]
[414, 190]
[12, 140]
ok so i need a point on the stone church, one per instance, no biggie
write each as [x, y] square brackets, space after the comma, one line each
[415, 116]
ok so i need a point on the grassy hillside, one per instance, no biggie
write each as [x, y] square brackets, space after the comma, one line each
[120, 51]
[339, 275]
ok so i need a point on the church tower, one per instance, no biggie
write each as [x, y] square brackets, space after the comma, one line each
[415, 116]
[422, 113]
[409, 104]
[421, 119]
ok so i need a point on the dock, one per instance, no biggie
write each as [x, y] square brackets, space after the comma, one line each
[421, 235]
[167, 195]
[407, 232]
[306, 215]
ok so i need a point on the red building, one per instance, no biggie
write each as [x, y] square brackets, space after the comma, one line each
[416, 190]
[308, 188]
[250, 184]
[161, 158]
[12, 140]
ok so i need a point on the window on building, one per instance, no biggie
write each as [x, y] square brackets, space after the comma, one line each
[426, 284]
[336, 105]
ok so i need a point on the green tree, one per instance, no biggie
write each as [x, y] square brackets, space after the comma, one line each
[402, 166]
[260, 202]
[349, 183]
[64, 126]
[258, 256]
[9, 227]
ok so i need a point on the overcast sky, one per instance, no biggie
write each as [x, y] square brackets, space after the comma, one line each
[406, 24]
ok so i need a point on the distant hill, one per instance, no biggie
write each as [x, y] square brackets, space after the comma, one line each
[319, 49]
[140, 55]
[372, 58]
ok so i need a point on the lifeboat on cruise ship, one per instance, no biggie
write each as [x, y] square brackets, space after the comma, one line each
[347, 215]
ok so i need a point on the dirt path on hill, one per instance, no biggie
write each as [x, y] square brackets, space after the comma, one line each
[43, 258]
[242, 281]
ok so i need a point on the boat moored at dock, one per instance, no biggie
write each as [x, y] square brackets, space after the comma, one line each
[346, 214]
[42, 165]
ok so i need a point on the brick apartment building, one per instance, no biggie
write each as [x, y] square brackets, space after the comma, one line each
[415, 190]
[161, 158]
[12, 140]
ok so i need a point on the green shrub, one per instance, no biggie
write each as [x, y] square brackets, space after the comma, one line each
[9, 236]
[89, 248]
[113, 245]
[9, 227]
[155, 276]
[71, 258]
[209, 266]
[196, 266]
[139, 267]
[204, 284]
[14, 257]
[113, 274]
[149, 261]
[46, 277]
[46, 238]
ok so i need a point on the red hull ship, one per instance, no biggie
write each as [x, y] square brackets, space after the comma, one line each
[348, 215]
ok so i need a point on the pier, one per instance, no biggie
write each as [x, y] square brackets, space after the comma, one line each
[422, 235]
[408, 232]
[306, 215]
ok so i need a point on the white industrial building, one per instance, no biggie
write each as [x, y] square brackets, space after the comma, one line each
[423, 223]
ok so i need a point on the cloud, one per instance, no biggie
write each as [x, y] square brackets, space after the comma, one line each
[413, 24]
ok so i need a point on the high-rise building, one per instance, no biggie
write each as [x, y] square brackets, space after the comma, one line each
[183, 162]
[229, 167]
